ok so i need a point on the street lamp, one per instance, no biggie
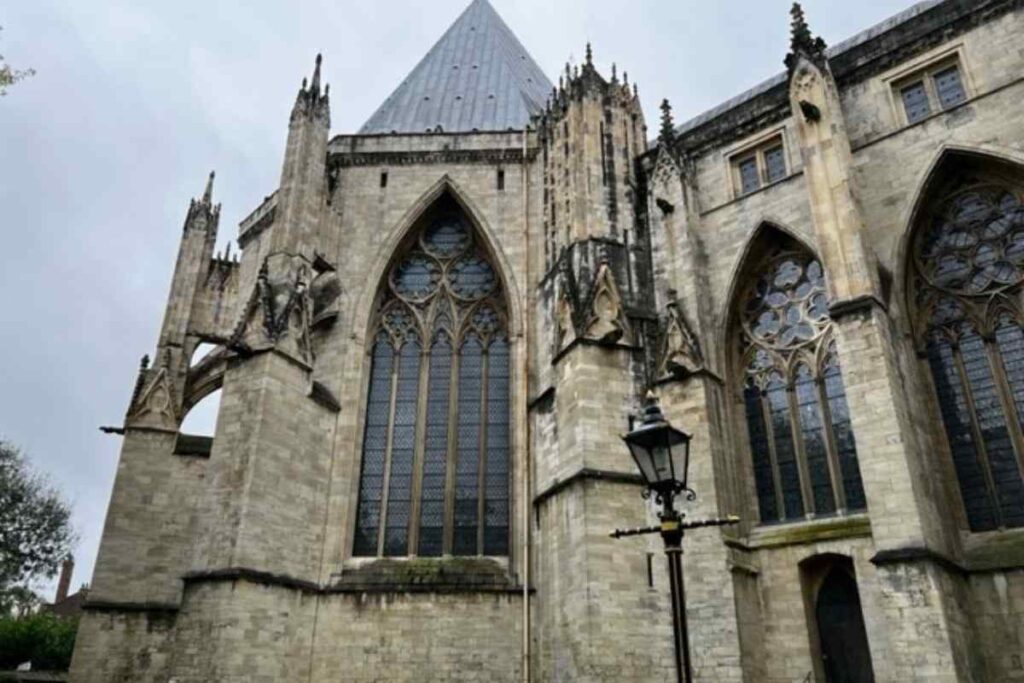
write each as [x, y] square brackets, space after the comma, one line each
[662, 453]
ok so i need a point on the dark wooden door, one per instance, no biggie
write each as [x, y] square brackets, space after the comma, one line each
[844, 643]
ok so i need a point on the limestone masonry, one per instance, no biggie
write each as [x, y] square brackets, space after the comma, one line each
[437, 328]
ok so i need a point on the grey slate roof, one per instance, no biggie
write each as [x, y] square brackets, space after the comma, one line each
[837, 49]
[477, 77]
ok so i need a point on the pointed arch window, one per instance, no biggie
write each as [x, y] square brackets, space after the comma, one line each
[968, 273]
[435, 466]
[804, 454]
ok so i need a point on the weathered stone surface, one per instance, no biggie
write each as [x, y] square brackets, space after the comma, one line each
[622, 268]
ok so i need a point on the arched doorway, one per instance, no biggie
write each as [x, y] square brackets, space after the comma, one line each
[842, 643]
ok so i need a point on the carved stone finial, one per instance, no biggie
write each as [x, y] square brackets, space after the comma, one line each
[208, 192]
[668, 128]
[315, 85]
[590, 55]
[615, 75]
[802, 41]
[625, 78]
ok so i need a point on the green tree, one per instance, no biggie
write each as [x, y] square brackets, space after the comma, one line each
[10, 76]
[42, 639]
[35, 527]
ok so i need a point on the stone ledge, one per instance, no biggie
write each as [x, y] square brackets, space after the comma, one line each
[585, 474]
[441, 575]
[797, 533]
[115, 606]
[423, 575]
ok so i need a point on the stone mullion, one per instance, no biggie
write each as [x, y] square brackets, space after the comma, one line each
[831, 449]
[780, 501]
[416, 487]
[995, 359]
[481, 454]
[980, 449]
[451, 452]
[800, 453]
[386, 483]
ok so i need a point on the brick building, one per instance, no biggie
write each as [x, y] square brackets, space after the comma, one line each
[438, 326]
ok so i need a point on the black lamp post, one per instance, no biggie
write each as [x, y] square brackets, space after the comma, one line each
[662, 453]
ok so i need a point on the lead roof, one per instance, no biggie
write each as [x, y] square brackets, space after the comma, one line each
[477, 77]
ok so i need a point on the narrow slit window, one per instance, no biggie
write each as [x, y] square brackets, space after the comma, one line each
[384, 179]
[501, 179]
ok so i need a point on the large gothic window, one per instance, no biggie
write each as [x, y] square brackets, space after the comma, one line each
[968, 270]
[435, 466]
[804, 455]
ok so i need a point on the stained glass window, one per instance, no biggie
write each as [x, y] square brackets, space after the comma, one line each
[969, 269]
[435, 466]
[804, 454]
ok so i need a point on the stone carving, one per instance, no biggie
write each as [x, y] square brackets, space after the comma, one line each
[679, 354]
[607, 322]
[802, 42]
[155, 405]
[278, 314]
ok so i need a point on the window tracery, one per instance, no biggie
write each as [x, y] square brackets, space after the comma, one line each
[968, 260]
[435, 466]
[804, 455]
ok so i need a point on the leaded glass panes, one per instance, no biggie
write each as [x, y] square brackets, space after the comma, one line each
[749, 179]
[371, 484]
[915, 101]
[435, 449]
[793, 397]
[969, 268]
[403, 446]
[812, 433]
[496, 508]
[949, 88]
[842, 434]
[467, 462]
[764, 478]
[780, 417]
[775, 163]
[435, 469]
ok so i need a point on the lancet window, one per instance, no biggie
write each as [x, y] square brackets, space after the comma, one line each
[435, 462]
[968, 263]
[803, 449]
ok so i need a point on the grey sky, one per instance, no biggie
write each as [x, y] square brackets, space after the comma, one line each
[135, 101]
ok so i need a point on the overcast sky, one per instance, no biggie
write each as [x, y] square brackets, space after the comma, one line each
[135, 101]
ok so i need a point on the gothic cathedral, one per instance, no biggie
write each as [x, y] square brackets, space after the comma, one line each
[439, 327]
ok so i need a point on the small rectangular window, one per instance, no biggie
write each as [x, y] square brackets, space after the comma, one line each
[749, 179]
[949, 87]
[915, 101]
[650, 570]
[384, 179]
[501, 179]
[775, 164]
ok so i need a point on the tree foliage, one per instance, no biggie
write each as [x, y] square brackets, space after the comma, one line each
[35, 525]
[42, 639]
[9, 76]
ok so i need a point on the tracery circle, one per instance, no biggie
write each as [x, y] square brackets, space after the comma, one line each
[445, 238]
[787, 306]
[416, 277]
[472, 278]
[975, 243]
